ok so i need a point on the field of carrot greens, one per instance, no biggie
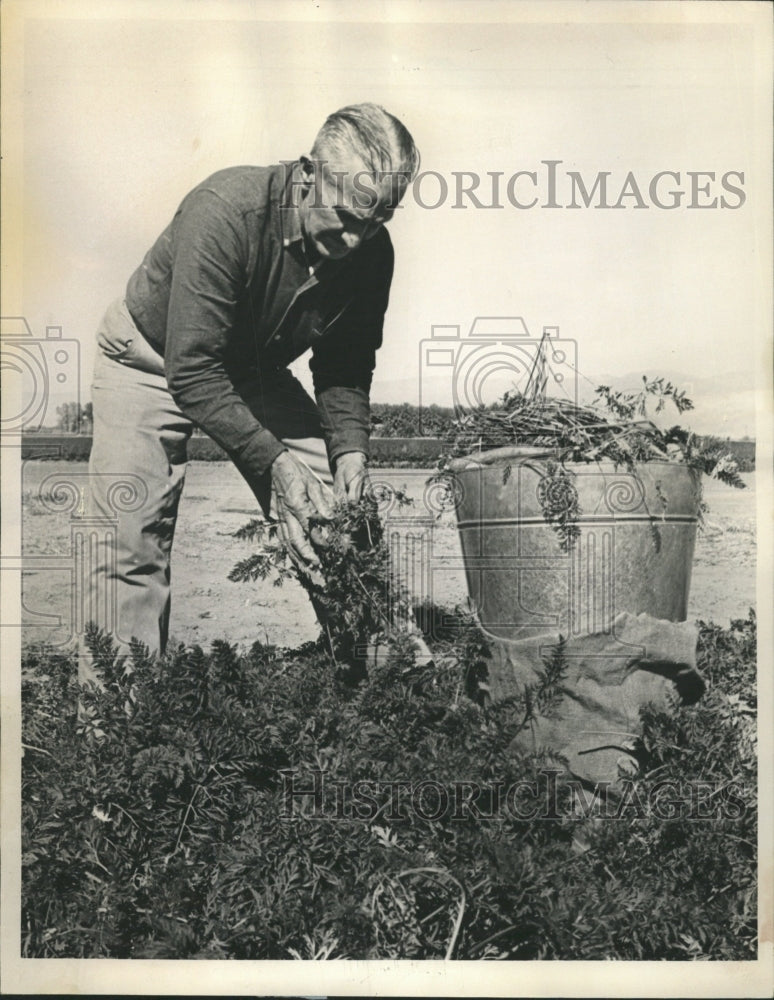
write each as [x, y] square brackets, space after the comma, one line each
[264, 804]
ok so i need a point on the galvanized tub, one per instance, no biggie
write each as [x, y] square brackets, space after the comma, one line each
[634, 552]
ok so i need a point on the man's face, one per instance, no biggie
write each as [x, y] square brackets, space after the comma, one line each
[342, 206]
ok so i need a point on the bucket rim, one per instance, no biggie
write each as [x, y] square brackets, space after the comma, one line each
[497, 457]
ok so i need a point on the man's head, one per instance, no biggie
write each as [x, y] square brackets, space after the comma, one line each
[361, 163]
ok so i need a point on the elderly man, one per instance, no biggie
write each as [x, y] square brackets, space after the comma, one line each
[258, 265]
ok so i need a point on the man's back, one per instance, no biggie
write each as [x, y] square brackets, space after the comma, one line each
[232, 259]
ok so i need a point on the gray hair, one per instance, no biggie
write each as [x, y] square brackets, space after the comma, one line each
[380, 140]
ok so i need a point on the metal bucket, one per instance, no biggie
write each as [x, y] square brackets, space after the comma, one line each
[634, 552]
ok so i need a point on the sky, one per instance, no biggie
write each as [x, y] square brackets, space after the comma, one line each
[123, 107]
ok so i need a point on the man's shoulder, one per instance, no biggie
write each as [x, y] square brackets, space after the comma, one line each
[247, 189]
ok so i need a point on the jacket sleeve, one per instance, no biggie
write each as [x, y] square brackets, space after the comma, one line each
[209, 273]
[343, 361]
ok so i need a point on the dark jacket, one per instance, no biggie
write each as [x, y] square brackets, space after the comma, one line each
[226, 296]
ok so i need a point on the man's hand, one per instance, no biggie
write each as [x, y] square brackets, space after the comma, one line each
[300, 496]
[351, 476]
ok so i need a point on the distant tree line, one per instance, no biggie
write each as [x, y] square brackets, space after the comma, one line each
[72, 418]
[405, 420]
[388, 420]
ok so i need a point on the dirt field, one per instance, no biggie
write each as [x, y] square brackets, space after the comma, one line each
[216, 502]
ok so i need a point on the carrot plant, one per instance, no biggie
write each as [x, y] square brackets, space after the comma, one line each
[617, 428]
[358, 597]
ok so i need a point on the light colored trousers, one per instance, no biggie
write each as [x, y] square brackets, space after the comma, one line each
[136, 475]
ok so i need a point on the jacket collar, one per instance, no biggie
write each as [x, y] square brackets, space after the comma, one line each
[291, 197]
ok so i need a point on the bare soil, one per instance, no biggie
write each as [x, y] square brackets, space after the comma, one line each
[216, 502]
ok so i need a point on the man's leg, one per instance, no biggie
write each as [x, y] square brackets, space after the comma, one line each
[136, 476]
